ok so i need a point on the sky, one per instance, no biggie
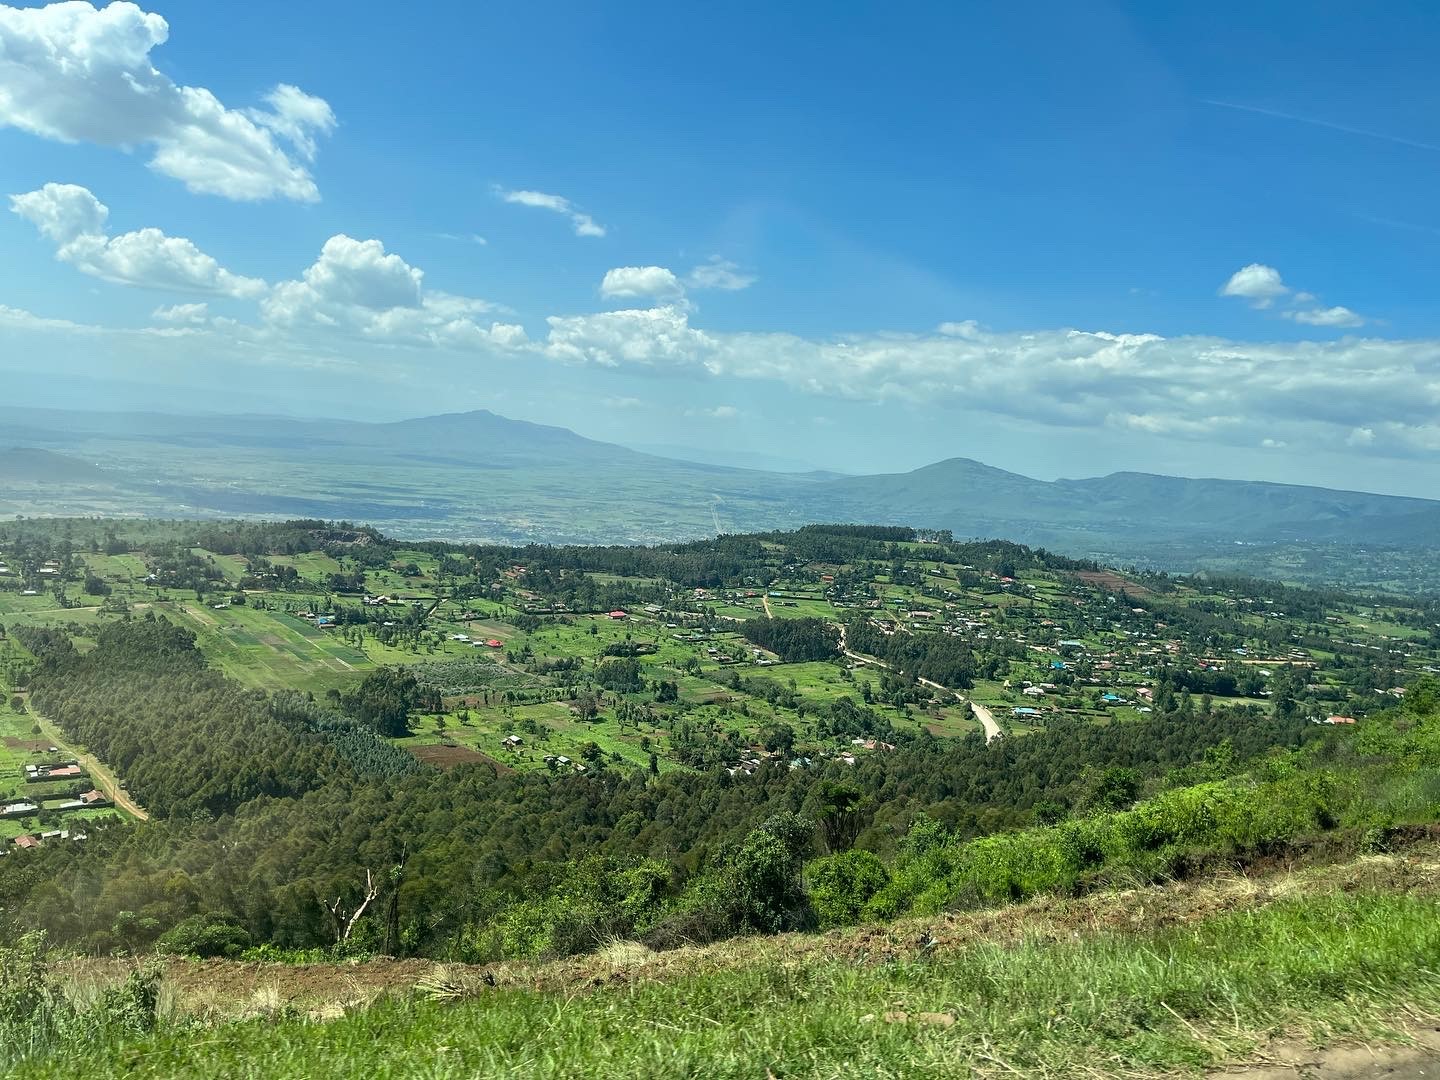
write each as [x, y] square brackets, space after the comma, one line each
[1064, 239]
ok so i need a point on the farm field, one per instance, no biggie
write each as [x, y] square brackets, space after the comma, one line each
[582, 663]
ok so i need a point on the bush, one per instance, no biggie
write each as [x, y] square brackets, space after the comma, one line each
[204, 936]
[841, 885]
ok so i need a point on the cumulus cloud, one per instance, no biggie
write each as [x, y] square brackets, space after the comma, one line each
[719, 273]
[660, 339]
[641, 281]
[74, 73]
[1187, 387]
[1332, 316]
[74, 219]
[582, 223]
[1261, 285]
[356, 287]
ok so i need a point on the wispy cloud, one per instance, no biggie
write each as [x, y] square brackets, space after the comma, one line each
[583, 223]
[1399, 140]
[464, 238]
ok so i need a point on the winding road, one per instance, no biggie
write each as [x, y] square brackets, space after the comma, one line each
[982, 713]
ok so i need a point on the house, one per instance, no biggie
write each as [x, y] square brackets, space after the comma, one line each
[617, 614]
[512, 741]
[18, 809]
[38, 773]
[1034, 691]
[26, 842]
[93, 798]
[494, 643]
[1024, 710]
[1339, 720]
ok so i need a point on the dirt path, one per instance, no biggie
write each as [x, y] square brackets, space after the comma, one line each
[1296, 1061]
[765, 600]
[104, 779]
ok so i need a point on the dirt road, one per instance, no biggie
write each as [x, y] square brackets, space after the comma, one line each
[986, 718]
[104, 779]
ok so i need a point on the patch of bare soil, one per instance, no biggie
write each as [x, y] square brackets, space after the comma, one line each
[445, 756]
[1284, 1060]
[30, 746]
[1113, 582]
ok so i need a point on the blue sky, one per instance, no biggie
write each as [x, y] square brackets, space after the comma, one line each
[1061, 238]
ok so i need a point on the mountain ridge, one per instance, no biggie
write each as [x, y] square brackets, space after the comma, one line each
[480, 475]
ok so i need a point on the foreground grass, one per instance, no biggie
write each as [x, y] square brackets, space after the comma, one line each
[1344, 965]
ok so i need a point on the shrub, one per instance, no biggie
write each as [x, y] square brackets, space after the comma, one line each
[204, 936]
[839, 886]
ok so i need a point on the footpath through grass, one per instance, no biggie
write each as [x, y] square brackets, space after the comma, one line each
[1338, 965]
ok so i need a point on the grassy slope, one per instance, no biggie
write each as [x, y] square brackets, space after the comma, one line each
[1144, 982]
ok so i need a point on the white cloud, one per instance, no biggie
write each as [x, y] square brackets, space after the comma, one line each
[358, 288]
[1333, 316]
[967, 329]
[641, 281]
[1262, 286]
[719, 273]
[582, 223]
[74, 73]
[622, 402]
[1257, 283]
[1304, 393]
[660, 339]
[75, 220]
[1361, 436]
[188, 314]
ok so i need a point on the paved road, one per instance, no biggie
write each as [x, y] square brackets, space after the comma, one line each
[104, 779]
[987, 721]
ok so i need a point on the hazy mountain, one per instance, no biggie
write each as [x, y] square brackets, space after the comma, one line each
[477, 475]
[738, 459]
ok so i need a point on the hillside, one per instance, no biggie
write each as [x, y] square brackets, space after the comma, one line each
[843, 794]
[987, 994]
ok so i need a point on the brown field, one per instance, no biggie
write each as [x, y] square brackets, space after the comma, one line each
[446, 757]
[1113, 582]
[30, 746]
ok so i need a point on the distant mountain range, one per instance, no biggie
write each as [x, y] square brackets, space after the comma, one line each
[481, 476]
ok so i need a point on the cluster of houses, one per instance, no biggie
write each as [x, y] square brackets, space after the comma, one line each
[27, 842]
[488, 643]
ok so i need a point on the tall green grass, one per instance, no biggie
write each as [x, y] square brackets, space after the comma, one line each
[1181, 999]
